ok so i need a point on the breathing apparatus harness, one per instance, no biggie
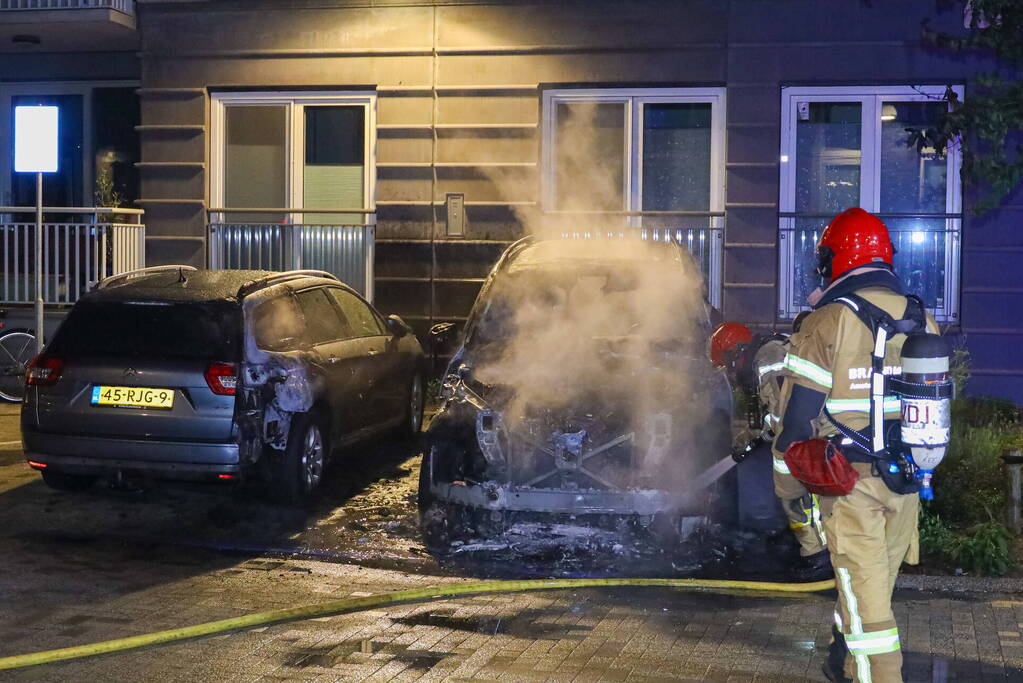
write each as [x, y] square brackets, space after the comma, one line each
[924, 391]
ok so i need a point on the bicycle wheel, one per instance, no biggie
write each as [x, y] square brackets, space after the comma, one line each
[17, 348]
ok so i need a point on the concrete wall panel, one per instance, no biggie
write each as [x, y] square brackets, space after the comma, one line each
[695, 67]
[754, 144]
[592, 23]
[494, 108]
[753, 184]
[752, 225]
[487, 146]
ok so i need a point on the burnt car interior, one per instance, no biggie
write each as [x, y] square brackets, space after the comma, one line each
[581, 388]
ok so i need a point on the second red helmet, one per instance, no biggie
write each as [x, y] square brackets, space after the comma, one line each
[725, 340]
[853, 238]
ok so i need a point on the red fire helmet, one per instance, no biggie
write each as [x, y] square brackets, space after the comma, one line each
[726, 340]
[853, 238]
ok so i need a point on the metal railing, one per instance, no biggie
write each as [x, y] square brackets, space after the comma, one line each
[701, 233]
[344, 249]
[81, 248]
[927, 250]
[126, 6]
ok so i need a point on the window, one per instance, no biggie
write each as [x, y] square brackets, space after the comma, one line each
[362, 321]
[651, 160]
[852, 146]
[97, 140]
[277, 324]
[293, 151]
[159, 330]
[322, 322]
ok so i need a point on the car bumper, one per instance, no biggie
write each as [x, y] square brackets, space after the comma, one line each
[643, 502]
[92, 455]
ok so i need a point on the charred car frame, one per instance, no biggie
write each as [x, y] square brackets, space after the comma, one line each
[492, 459]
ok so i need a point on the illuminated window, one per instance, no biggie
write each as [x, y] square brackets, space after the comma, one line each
[857, 146]
[292, 151]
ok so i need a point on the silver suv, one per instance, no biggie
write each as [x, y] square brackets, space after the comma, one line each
[183, 374]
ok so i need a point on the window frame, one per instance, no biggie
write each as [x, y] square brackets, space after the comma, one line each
[295, 103]
[634, 100]
[871, 99]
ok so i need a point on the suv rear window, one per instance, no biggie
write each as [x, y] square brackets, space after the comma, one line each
[177, 330]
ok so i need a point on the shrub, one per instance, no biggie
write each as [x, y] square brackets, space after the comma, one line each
[969, 484]
[985, 412]
[985, 548]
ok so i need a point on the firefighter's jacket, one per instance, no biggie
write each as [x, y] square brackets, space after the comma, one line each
[769, 364]
[831, 354]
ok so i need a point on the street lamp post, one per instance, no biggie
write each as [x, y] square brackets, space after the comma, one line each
[35, 151]
[39, 262]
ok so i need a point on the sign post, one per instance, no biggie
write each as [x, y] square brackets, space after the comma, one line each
[35, 151]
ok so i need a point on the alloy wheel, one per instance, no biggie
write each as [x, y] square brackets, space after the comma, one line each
[416, 405]
[312, 458]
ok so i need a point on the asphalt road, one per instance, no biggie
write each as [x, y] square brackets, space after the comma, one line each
[366, 511]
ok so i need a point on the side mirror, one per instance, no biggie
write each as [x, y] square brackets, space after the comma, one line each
[441, 337]
[397, 326]
[441, 333]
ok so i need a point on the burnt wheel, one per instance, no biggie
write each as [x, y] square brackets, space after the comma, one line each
[425, 497]
[298, 471]
[71, 483]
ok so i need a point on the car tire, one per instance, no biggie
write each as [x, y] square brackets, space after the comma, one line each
[412, 425]
[70, 483]
[425, 497]
[296, 474]
[434, 514]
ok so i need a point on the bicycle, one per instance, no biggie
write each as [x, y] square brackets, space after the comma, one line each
[17, 348]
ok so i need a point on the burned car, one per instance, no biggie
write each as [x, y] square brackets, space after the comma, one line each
[581, 390]
[173, 373]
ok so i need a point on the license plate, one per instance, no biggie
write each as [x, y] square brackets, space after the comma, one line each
[133, 397]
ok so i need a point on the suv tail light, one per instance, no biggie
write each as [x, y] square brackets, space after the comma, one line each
[44, 370]
[222, 378]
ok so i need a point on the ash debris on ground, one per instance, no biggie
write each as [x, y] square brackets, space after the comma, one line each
[565, 549]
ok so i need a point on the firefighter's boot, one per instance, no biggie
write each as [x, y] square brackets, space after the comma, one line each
[835, 663]
[816, 567]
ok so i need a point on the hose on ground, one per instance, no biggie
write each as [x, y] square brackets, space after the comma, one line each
[347, 605]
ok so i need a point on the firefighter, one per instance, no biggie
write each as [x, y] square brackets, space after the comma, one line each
[827, 393]
[756, 365]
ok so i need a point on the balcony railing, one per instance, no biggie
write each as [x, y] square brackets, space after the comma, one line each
[927, 249]
[80, 246]
[701, 233]
[250, 241]
[126, 6]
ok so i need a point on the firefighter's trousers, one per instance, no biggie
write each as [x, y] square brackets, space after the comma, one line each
[802, 509]
[870, 533]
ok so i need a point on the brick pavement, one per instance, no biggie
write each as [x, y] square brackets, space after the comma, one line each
[55, 596]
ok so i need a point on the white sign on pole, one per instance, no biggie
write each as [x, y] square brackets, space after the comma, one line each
[35, 139]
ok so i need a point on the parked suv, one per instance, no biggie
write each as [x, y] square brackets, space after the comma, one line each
[183, 374]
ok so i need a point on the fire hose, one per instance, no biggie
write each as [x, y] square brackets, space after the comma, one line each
[348, 605]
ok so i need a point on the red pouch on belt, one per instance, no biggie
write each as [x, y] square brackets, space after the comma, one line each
[821, 467]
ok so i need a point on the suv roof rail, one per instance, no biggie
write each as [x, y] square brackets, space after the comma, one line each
[283, 277]
[140, 272]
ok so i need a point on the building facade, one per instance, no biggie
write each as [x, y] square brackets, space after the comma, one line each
[426, 136]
